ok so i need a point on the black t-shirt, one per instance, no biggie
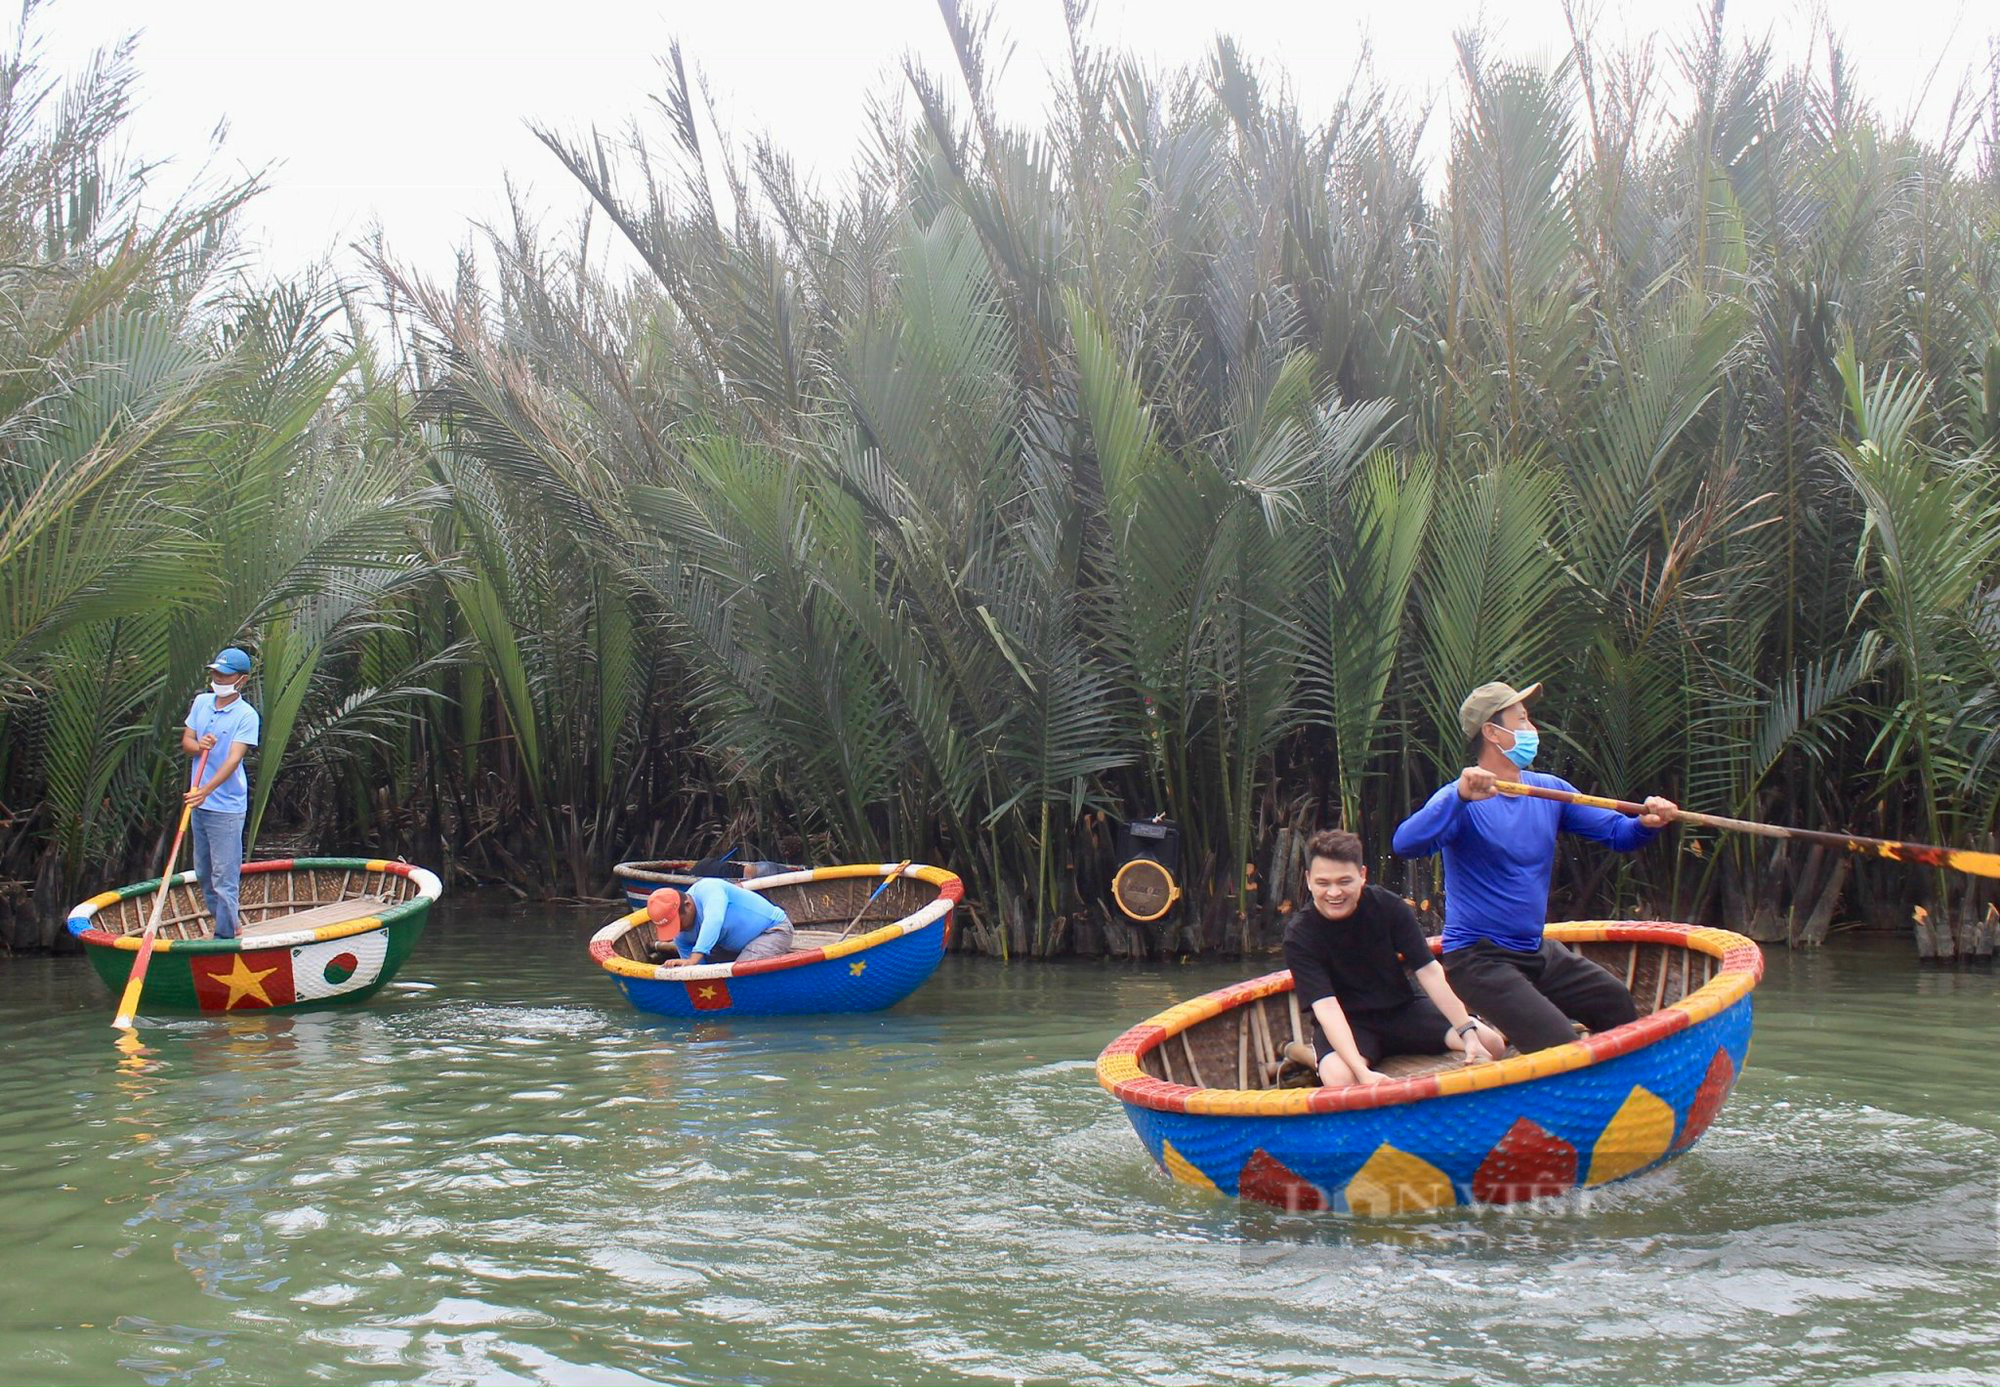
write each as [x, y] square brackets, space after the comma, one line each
[1363, 962]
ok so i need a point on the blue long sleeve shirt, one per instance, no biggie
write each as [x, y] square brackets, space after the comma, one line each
[1499, 854]
[725, 916]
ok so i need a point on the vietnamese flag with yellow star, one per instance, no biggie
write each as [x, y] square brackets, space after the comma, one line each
[232, 982]
[281, 977]
[709, 994]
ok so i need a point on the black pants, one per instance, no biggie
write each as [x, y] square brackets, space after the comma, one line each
[1416, 1027]
[1534, 996]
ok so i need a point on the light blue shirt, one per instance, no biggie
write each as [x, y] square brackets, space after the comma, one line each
[725, 917]
[1498, 855]
[236, 723]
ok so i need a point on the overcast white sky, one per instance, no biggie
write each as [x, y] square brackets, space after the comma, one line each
[409, 112]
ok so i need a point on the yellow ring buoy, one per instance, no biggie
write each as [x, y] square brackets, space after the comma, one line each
[1144, 889]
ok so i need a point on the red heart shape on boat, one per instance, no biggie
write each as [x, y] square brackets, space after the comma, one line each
[1527, 1163]
[1268, 1180]
[1708, 1099]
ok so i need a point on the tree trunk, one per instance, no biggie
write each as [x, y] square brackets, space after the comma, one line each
[1821, 918]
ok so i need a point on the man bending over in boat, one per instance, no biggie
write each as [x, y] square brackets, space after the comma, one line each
[720, 922]
[1498, 855]
[1353, 950]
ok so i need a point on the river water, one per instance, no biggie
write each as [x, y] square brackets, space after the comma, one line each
[498, 1172]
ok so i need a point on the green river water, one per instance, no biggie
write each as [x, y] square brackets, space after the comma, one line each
[499, 1172]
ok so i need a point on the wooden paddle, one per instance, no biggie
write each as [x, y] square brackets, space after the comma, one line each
[1985, 864]
[894, 873]
[129, 1003]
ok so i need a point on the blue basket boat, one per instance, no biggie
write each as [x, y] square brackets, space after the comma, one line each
[1199, 1083]
[639, 880]
[849, 953]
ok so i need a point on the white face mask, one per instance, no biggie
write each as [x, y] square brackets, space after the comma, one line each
[222, 690]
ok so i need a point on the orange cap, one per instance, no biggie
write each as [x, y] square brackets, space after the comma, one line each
[664, 907]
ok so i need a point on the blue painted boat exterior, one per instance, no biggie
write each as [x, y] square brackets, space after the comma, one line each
[1575, 1116]
[868, 972]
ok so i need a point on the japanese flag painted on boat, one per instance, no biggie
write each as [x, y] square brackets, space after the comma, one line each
[334, 966]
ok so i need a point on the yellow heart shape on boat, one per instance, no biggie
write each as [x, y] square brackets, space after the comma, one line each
[1183, 1169]
[1395, 1182]
[1636, 1136]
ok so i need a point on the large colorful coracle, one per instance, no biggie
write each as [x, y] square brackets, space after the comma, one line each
[1199, 1083]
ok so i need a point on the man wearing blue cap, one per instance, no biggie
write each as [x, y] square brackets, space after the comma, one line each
[221, 719]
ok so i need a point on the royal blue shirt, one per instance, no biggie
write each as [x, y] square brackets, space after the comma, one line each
[725, 917]
[236, 723]
[1499, 853]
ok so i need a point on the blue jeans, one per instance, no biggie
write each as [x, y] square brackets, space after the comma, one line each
[218, 863]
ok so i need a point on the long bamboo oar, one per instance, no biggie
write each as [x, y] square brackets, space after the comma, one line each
[894, 872]
[1985, 864]
[129, 1003]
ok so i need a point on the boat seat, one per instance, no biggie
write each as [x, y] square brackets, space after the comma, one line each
[332, 913]
[1299, 1071]
[1410, 1066]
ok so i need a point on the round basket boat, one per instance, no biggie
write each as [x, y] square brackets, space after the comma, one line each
[313, 932]
[837, 962]
[1199, 1082]
[639, 880]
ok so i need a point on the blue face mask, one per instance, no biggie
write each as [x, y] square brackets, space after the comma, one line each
[1527, 741]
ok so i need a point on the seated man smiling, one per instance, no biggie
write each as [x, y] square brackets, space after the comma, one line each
[1353, 950]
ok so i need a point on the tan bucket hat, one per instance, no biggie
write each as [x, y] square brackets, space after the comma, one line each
[1483, 702]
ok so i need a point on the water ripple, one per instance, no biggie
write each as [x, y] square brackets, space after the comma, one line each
[499, 1173]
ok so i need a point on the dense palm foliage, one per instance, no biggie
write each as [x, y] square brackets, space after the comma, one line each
[175, 477]
[1190, 455]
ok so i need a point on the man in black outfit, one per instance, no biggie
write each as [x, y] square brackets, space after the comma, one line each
[1354, 950]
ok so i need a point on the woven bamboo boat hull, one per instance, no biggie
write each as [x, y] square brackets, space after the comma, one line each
[1448, 1135]
[896, 945]
[639, 880]
[315, 932]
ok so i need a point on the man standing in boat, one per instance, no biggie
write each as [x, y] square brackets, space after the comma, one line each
[720, 922]
[222, 725]
[1498, 857]
[1354, 951]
